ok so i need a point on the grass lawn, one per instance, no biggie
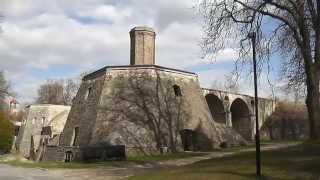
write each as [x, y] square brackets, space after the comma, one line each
[77, 165]
[156, 158]
[299, 162]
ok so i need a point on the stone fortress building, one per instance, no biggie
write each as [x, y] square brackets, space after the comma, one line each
[143, 107]
[9, 103]
[43, 124]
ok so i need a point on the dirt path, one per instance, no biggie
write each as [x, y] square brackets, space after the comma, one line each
[111, 173]
[120, 173]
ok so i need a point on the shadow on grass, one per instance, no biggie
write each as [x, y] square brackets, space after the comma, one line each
[132, 160]
[297, 162]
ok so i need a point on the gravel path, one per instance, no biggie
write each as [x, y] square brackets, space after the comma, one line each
[18, 173]
[109, 173]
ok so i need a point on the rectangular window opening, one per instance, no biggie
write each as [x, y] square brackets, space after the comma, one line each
[177, 90]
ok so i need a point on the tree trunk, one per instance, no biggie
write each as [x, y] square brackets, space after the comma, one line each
[283, 129]
[293, 130]
[312, 102]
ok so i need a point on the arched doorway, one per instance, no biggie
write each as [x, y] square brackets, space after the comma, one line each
[241, 118]
[216, 108]
[188, 139]
[68, 156]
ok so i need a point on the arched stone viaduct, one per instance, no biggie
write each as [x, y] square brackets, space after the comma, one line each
[237, 110]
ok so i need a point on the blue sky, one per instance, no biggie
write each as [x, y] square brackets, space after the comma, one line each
[45, 39]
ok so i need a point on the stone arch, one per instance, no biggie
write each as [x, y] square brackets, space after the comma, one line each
[216, 108]
[68, 156]
[240, 117]
[188, 139]
[74, 139]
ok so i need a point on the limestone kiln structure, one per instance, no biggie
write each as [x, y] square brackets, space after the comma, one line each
[146, 108]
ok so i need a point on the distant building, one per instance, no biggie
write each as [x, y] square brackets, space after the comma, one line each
[10, 104]
[43, 123]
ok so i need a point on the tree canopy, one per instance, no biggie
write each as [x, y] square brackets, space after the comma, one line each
[4, 85]
[6, 133]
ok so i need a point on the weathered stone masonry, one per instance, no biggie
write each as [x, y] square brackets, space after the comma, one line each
[221, 117]
[38, 117]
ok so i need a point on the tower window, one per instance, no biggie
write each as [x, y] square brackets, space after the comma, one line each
[43, 120]
[88, 93]
[75, 136]
[34, 120]
[177, 90]
[252, 102]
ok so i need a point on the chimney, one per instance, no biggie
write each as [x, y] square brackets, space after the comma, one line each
[142, 46]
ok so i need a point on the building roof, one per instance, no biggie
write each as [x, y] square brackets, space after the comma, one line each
[103, 70]
[142, 28]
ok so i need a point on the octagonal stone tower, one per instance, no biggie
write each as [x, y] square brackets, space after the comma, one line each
[95, 121]
[142, 46]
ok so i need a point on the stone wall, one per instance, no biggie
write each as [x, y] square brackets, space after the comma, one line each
[142, 46]
[97, 127]
[39, 116]
[245, 117]
[58, 153]
[83, 112]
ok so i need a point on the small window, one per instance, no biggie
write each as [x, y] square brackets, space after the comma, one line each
[226, 98]
[43, 120]
[34, 120]
[177, 90]
[68, 156]
[75, 136]
[88, 93]
[47, 130]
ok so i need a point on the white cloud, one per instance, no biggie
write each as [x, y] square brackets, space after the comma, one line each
[227, 54]
[89, 34]
[207, 77]
[107, 12]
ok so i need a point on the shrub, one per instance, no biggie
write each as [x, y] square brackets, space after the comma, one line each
[288, 121]
[6, 133]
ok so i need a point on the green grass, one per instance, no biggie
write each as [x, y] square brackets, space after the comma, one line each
[264, 141]
[298, 162]
[79, 165]
[71, 165]
[155, 158]
[252, 145]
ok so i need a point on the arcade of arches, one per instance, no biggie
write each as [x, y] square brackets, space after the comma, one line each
[239, 114]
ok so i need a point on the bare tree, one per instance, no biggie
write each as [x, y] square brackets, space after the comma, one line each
[70, 89]
[60, 92]
[4, 85]
[151, 102]
[228, 83]
[231, 84]
[217, 85]
[293, 30]
[51, 92]
[5, 89]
